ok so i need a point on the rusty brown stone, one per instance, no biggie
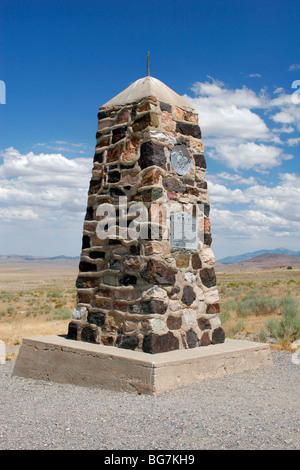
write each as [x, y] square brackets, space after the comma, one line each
[174, 323]
[131, 148]
[158, 273]
[196, 261]
[205, 339]
[213, 308]
[84, 297]
[142, 122]
[204, 323]
[114, 153]
[102, 302]
[208, 277]
[123, 116]
[151, 177]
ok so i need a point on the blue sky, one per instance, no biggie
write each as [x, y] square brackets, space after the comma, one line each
[236, 61]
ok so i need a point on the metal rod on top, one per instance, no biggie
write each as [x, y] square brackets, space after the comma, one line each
[148, 64]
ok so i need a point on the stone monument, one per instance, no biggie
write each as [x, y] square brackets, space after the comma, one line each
[147, 313]
[147, 282]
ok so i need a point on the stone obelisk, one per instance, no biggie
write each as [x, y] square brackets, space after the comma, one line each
[146, 275]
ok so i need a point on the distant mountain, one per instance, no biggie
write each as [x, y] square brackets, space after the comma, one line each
[36, 258]
[248, 256]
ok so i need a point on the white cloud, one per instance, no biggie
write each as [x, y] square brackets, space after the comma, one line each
[292, 142]
[234, 124]
[48, 184]
[294, 67]
[247, 155]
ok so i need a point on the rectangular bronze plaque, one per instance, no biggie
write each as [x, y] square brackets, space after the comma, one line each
[184, 231]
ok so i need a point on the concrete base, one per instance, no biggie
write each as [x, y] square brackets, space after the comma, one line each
[62, 360]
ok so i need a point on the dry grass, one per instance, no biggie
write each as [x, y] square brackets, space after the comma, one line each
[37, 300]
[267, 288]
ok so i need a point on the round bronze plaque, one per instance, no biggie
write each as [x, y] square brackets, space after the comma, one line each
[180, 159]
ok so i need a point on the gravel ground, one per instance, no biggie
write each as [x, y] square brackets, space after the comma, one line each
[252, 410]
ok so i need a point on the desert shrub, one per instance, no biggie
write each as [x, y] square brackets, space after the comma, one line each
[262, 336]
[54, 294]
[286, 329]
[10, 309]
[236, 328]
[252, 305]
[60, 314]
[225, 316]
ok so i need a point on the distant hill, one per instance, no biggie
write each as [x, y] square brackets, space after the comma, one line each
[263, 261]
[36, 258]
[247, 256]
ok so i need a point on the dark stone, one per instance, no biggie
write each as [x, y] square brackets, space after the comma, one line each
[135, 250]
[200, 161]
[205, 339]
[192, 338]
[127, 280]
[127, 342]
[208, 277]
[97, 254]
[196, 262]
[115, 264]
[173, 184]
[207, 239]
[97, 318]
[204, 324]
[114, 176]
[152, 154]
[148, 119]
[206, 210]
[174, 291]
[98, 157]
[158, 273]
[218, 336]
[188, 129]
[154, 343]
[119, 134]
[149, 307]
[174, 323]
[165, 107]
[86, 282]
[116, 192]
[202, 185]
[95, 185]
[85, 267]
[102, 115]
[188, 296]
[114, 242]
[73, 331]
[85, 242]
[89, 334]
[213, 308]
[133, 112]
[89, 213]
